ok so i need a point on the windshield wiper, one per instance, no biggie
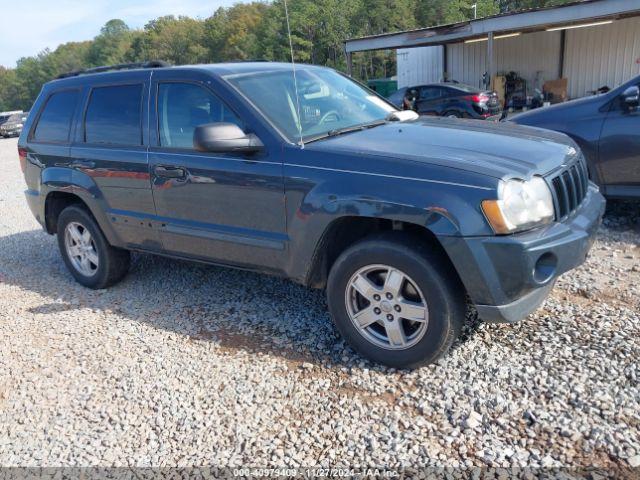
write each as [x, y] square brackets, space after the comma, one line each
[340, 131]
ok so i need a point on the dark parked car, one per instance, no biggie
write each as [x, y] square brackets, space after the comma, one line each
[448, 100]
[398, 218]
[607, 128]
[13, 126]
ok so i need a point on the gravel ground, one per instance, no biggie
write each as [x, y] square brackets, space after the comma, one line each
[189, 365]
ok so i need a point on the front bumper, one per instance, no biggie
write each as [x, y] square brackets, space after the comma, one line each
[508, 277]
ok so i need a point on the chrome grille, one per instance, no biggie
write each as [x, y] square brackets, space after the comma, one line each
[569, 188]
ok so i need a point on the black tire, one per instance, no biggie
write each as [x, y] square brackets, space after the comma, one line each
[452, 114]
[113, 263]
[433, 274]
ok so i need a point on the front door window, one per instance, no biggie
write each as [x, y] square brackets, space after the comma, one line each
[184, 106]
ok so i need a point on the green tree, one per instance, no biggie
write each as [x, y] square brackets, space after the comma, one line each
[31, 73]
[318, 30]
[111, 46]
[9, 89]
[376, 17]
[232, 33]
[70, 56]
[178, 40]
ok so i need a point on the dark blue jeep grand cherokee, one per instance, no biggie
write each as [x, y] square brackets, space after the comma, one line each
[403, 220]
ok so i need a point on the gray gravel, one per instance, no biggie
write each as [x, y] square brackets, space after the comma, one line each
[183, 365]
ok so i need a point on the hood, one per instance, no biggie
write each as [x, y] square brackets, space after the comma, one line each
[499, 150]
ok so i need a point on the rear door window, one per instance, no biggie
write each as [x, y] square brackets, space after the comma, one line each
[430, 93]
[114, 115]
[54, 124]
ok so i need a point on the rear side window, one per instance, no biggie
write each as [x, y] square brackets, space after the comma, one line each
[114, 115]
[430, 93]
[54, 124]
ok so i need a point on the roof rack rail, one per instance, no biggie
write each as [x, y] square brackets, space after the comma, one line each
[119, 66]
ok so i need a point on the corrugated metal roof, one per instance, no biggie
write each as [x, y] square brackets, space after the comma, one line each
[522, 20]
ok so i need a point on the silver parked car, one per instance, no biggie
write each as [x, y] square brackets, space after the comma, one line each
[12, 127]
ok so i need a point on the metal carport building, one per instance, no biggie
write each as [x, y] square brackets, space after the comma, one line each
[591, 43]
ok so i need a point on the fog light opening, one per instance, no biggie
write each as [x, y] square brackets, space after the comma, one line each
[545, 267]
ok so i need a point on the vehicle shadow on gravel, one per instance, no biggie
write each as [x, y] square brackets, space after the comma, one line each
[236, 310]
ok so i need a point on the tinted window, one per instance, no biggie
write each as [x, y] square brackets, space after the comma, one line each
[113, 115]
[182, 107]
[430, 93]
[54, 124]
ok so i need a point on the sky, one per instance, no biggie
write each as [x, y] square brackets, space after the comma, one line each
[29, 26]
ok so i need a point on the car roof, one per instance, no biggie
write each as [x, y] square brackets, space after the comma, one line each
[217, 69]
[438, 84]
[463, 87]
[233, 68]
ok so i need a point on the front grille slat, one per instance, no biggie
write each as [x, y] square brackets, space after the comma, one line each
[569, 189]
[573, 188]
[580, 183]
[565, 193]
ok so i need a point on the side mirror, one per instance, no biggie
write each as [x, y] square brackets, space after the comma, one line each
[631, 97]
[222, 137]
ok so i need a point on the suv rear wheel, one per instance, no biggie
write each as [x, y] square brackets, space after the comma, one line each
[395, 300]
[86, 252]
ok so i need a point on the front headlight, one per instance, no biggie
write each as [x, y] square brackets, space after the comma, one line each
[521, 205]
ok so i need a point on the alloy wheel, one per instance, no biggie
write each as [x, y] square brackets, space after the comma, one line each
[387, 307]
[81, 249]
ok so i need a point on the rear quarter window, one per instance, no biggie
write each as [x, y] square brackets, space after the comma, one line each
[430, 93]
[114, 115]
[54, 124]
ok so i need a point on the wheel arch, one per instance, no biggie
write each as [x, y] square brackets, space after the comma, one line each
[55, 202]
[345, 231]
[68, 187]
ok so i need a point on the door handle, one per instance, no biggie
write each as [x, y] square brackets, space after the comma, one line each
[169, 172]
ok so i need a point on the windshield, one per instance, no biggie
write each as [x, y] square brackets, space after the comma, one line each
[17, 118]
[328, 101]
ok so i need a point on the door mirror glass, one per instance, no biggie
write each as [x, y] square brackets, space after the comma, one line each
[223, 137]
[631, 97]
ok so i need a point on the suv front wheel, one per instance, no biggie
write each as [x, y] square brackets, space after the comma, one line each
[396, 300]
[86, 252]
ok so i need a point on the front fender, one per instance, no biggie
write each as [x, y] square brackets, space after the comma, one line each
[444, 209]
